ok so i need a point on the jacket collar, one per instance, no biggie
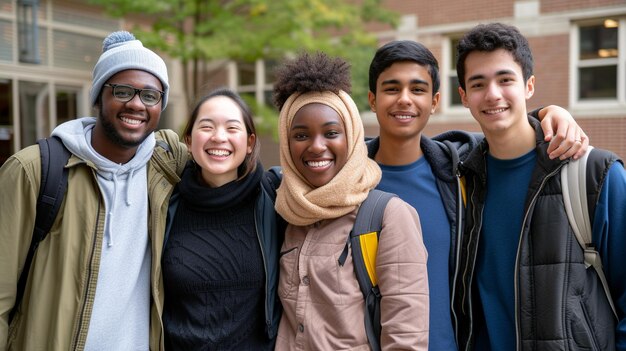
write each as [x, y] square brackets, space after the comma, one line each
[476, 160]
[442, 152]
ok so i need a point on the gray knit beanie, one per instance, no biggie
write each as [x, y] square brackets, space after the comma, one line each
[120, 52]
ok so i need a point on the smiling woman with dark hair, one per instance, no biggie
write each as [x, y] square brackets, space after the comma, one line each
[220, 262]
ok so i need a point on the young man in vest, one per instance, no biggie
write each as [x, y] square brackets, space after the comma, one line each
[95, 281]
[521, 282]
[404, 92]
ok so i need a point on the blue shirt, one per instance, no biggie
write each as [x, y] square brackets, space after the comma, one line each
[415, 184]
[609, 237]
[507, 186]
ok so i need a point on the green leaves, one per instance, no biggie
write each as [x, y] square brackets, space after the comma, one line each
[200, 31]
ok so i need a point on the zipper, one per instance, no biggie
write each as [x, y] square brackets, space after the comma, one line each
[475, 229]
[518, 341]
[459, 231]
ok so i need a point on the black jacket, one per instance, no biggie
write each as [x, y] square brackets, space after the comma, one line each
[444, 153]
[270, 230]
[559, 304]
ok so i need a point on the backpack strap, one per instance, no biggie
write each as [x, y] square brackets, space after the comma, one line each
[364, 236]
[54, 157]
[579, 212]
[271, 181]
[363, 240]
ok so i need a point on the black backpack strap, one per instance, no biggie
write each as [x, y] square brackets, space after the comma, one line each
[364, 242]
[598, 163]
[271, 181]
[54, 157]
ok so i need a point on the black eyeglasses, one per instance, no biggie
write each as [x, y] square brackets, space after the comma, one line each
[125, 93]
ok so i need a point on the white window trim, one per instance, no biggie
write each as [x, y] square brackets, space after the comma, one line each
[597, 107]
[260, 86]
[449, 112]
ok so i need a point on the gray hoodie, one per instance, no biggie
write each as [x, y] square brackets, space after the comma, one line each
[121, 314]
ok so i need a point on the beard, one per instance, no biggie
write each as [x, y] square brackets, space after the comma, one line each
[112, 134]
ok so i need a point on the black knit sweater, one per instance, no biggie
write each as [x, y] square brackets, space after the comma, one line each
[213, 268]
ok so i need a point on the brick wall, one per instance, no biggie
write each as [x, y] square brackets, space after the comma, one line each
[551, 54]
[548, 6]
[442, 12]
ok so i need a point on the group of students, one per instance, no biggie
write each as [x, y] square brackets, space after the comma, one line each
[156, 247]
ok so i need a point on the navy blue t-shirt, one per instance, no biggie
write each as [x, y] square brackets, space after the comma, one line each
[507, 186]
[415, 184]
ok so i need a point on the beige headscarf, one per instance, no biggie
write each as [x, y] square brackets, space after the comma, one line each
[299, 202]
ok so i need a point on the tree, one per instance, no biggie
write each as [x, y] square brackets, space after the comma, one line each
[205, 34]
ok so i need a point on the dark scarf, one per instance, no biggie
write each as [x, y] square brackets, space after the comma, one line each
[200, 197]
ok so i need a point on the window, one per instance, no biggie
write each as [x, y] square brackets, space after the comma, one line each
[75, 16]
[6, 42]
[67, 103]
[450, 104]
[254, 80]
[599, 62]
[75, 50]
[28, 31]
[453, 79]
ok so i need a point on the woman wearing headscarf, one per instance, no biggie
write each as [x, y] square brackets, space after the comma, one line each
[326, 177]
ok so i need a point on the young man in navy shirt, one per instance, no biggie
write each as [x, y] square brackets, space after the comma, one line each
[404, 92]
[522, 282]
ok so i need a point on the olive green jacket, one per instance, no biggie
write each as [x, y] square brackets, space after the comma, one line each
[61, 287]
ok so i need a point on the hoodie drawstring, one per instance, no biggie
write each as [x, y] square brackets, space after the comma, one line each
[109, 233]
[131, 174]
[114, 178]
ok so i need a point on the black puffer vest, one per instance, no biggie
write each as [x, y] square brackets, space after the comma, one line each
[559, 304]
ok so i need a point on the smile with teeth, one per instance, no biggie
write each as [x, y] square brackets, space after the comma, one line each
[130, 121]
[318, 164]
[219, 152]
[494, 111]
[403, 116]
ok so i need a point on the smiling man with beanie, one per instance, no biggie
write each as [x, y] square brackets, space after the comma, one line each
[95, 281]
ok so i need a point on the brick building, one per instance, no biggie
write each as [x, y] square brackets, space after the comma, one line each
[579, 48]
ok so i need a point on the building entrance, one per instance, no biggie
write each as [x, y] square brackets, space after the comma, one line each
[27, 112]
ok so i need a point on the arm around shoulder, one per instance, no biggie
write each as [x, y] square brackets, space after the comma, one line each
[402, 279]
[177, 150]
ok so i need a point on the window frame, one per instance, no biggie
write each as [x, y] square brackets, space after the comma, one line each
[597, 106]
[447, 71]
[261, 85]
